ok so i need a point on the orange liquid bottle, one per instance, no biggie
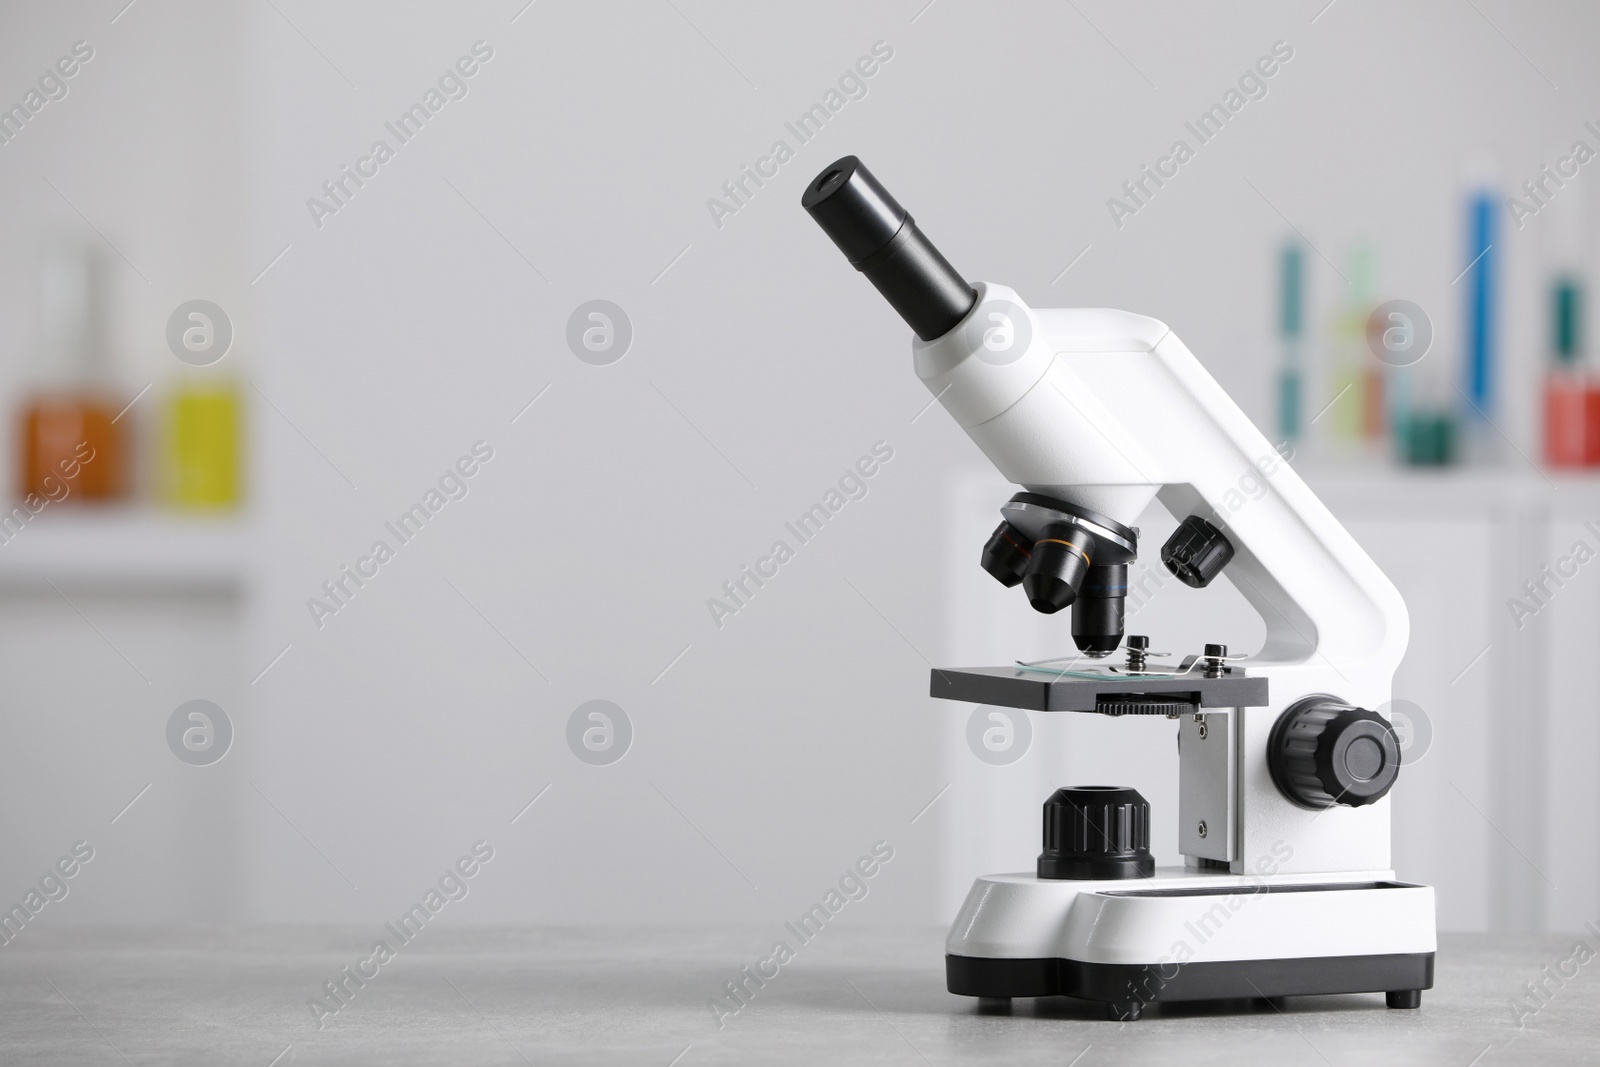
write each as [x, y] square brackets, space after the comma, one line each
[71, 440]
[74, 444]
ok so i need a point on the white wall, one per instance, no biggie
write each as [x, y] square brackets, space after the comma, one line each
[424, 315]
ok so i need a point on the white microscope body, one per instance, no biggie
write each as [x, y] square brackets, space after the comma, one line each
[1103, 411]
[1107, 410]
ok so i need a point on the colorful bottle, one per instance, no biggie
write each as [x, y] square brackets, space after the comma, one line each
[1479, 283]
[1430, 438]
[72, 445]
[1425, 409]
[1480, 306]
[1291, 323]
[1427, 432]
[200, 446]
[1591, 423]
[1566, 389]
[1356, 410]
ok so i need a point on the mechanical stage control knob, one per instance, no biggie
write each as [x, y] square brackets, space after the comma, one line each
[1323, 752]
[1096, 831]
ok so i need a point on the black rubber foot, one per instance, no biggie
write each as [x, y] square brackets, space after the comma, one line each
[1403, 998]
[994, 1005]
[1124, 1011]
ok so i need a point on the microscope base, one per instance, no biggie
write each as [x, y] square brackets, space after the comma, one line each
[1126, 989]
[1192, 935]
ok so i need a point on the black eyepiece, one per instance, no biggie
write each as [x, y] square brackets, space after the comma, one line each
[853, 209]
[881, 240]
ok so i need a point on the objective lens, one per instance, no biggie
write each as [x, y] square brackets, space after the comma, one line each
[1060, 562]
[1006, 555]
[1098, 613]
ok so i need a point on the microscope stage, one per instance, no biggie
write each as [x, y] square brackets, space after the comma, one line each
[1097, 689]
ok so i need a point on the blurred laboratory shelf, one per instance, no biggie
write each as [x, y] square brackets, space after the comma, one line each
[206, 995]
[1378, 490]
[128, 548]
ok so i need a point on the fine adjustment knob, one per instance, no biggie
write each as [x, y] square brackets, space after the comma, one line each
[1196, 552]
[1323, 752]
[1096, 832]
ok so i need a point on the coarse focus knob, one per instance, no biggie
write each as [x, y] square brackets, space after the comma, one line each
[1196, 552]
[1096, 832]
[1323, 752]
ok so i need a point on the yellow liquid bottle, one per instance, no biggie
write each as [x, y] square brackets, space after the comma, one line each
[200, 453]
[1354, 392]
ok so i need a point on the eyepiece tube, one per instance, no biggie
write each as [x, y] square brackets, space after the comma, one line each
[882, 241]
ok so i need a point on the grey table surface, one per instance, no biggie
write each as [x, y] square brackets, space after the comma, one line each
[520, 996]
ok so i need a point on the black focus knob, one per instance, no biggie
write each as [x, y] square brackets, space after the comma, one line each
[1096, 832]
[1196, 552]
[1323, 752]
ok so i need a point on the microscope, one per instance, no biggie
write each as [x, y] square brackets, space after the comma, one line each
[1284, 766]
